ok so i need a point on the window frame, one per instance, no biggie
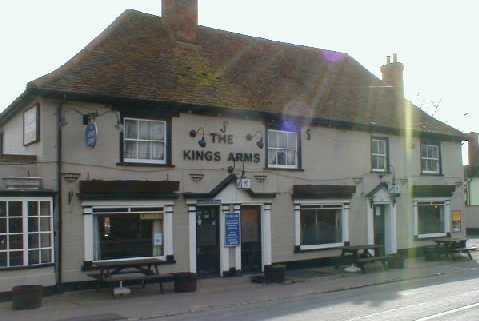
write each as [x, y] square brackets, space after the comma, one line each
[96, 225]
[297, 149]
[25, 232]
[385, 140]
[36, 139]
[424, 144]
[342, 205]
[166, 142]
[447, 217]
[91, 209]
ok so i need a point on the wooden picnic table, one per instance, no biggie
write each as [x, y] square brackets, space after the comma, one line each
[131, 269]
[360, 255]
[449, 246]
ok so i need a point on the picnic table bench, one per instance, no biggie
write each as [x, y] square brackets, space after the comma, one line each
[454, 245]
[360, 255]
[128, 270]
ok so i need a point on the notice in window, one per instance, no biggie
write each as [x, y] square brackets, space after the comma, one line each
[456, 221]
[158, 239]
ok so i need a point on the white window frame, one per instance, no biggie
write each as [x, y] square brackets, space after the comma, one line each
[344, 205]
[90, 224]
[447, 216]
[164, 141]
[25, 232]
[268, 148]
[383, 140]
[436, 159]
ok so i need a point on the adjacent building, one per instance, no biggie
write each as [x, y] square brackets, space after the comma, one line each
[471, 173]
[217, 152]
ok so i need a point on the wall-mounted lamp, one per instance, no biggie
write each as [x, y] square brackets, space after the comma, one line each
[195, 132]
[257, 135]
[223, 130]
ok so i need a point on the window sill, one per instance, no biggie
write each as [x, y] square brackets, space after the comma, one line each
[430, 236]
[88, 265]
[144, 164]
[27, 267]
[284, 169]
[380, 172]
[432, 174]
[315, 248]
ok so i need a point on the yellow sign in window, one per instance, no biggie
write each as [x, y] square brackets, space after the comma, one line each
[151, 216]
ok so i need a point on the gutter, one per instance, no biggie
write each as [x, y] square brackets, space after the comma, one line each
[58, 245]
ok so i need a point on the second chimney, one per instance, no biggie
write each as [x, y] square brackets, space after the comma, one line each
[393, 74]
[182, 17]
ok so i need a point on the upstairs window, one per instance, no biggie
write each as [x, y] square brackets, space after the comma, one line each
[379, 154]
[144, 141]
[430, 158]
[282, 149]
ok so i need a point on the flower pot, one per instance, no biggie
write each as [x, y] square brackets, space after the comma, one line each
[274, 273]
[27, 297]
[185, 282]
[396, 262]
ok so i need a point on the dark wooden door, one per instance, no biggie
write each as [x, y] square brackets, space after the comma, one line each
[251, 239]
[380, 226]
[207, 240]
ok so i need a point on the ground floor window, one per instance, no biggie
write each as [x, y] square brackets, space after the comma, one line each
[322, 225]
[127, 235]
[430, 217]
[26, 232]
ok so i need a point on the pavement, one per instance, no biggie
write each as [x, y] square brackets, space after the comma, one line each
[229, 294]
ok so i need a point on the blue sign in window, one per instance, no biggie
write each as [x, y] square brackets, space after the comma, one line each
[232, 229]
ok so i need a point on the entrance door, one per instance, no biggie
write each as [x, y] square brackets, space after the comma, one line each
[207, 240]
[251, 239]
[380, 227]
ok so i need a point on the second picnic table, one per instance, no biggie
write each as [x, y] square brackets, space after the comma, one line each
[360, 255]
[449, 246]
[134, 269]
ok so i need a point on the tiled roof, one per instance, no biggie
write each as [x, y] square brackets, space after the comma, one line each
[137, 58]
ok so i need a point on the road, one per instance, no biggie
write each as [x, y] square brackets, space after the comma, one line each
[439, 298]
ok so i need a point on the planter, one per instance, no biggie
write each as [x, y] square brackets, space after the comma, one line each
[274, 273]
[396, 262]
[185, 282]
[27, 297]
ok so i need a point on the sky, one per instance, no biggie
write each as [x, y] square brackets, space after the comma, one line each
[436, 40]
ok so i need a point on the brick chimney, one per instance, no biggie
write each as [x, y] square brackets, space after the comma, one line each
[393, 74]
[473, 149]
[182, 18]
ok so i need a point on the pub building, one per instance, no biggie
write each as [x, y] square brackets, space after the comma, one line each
[216, 152]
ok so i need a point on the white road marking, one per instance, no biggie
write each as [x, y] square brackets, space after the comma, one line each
[442, 314]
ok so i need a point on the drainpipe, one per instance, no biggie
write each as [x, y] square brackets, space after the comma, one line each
[58, 256]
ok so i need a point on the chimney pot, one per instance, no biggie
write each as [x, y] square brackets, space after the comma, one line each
[395, 57]
[388, 59]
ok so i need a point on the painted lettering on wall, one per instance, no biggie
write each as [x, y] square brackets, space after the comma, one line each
[211, 156]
